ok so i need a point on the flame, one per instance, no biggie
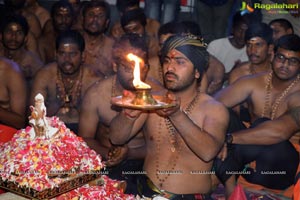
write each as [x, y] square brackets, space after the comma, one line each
[136, 72]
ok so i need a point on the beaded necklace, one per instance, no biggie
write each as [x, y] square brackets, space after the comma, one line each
[175, 143]
[68, 96]
[279, 99]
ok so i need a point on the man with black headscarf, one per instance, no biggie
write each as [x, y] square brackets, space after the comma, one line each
[182, 140]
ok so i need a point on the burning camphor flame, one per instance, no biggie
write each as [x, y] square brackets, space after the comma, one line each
[136, 72]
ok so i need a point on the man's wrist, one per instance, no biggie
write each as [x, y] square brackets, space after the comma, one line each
[128, 116]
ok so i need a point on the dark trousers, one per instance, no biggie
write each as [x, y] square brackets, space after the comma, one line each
[276, 165]
[145, 187]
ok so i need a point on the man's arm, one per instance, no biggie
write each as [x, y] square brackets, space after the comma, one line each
[236, 93]
[271, 132]
[89, 119]
[204, 140]
[215, 75]
[126, 125]
[16, 85]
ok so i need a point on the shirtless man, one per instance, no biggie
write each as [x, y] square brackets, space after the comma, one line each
[14, 34]
[266, 95]
[280, 28]
[183, 140]
[18, 7]
[135, 21]
[96, 16]
[96, 115]
[12, 94]
[123, 6]
[63, 83]
[62, 19]
[259, 48]
[273, 131]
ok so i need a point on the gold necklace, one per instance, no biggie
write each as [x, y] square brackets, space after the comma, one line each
[68, 96]
[279, 99]
[175, 143]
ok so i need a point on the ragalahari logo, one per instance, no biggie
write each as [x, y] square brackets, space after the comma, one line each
[246, 8]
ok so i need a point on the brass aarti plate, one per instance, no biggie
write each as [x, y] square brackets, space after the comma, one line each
[119, 101]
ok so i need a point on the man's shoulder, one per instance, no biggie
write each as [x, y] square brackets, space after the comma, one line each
[9, 65]
[89, 74]
[108, 41]
[152, 26]
[152, 22]
[49, 70]
[241, 70]
[32, 58]
[101, 87]
[208, 100]
[211, 105]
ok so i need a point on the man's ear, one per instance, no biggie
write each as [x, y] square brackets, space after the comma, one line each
[115, 67]
[289, 31]
[26, 40]
[83, 56]
[197, 74]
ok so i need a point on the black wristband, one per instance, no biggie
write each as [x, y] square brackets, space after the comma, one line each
[229, 138]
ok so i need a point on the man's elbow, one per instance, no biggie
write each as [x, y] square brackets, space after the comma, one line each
[210, 155]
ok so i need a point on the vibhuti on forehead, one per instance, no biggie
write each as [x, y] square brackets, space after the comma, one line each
[63, 10]
[14, 26]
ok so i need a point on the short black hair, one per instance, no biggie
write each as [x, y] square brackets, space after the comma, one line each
[286, 24]
[61, 4]
[241, 19]
[289, 42]
[191, 27]
[135, 40]
[122, 5]
[70, 36]
[95, 4]
[261, 30]
[134, 15]
[172, 27]
[15, 18]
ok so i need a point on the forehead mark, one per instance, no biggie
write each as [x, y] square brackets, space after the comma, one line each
[66, 45]
[131, 25]
[63, 10]
[14, 26]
